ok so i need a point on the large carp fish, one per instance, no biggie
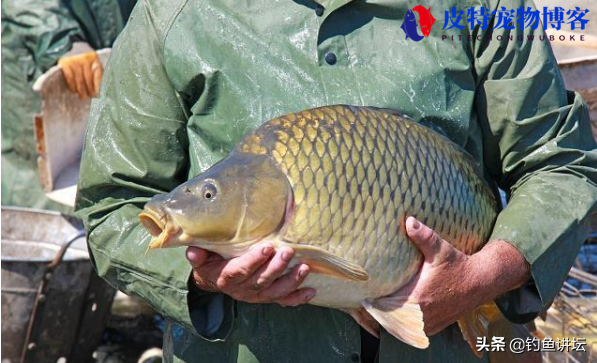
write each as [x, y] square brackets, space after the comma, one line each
[336, 184]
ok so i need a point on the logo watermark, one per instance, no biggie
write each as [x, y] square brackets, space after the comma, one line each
[512, 18]
[502, 18]
[520, 38]
[426, 21]
[519, 345]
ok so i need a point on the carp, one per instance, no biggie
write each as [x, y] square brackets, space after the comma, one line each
[336, 184]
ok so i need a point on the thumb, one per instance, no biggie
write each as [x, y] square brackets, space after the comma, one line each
[426, 239]
[197, 256]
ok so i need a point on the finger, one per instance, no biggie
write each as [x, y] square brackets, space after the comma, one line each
[426, 240]
[204, 283]
[241, 268]
[197, 256]
[297, 297]
[98, 74]
[285, 285]
[269, 272]
[88, 78]
[69, 77]
[80, 82]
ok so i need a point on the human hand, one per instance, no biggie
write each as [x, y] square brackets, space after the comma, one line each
[451, 283]
[82, 73]
[257, 276]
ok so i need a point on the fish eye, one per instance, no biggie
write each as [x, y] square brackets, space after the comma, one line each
[209, 191]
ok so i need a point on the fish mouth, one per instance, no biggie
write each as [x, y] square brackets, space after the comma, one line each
[157, 224]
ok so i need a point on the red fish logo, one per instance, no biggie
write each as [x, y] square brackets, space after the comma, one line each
[426, 21]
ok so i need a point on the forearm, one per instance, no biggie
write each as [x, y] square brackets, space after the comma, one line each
[136, 147]
[496, 269]
[546, 220]
[540, 151]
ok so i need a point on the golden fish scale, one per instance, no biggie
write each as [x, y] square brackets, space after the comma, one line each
[357, 173]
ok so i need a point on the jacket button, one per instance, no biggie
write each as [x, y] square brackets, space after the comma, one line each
[319, 10]
[355, 357]
[330, 58]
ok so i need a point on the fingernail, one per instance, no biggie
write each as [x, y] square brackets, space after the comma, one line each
[267, 250]
[416, 224]
[303, 271]
[310, 294]
[287, 256]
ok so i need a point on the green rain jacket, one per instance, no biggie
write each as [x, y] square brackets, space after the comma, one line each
[35, 34]
[187, 79]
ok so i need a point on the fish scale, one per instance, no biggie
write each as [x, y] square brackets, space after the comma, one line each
[353, 157]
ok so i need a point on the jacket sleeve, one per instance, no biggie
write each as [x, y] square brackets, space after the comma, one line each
[46, 28]
[136, 146]
[538, 146]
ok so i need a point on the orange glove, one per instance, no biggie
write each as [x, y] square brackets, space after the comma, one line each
[83, 73]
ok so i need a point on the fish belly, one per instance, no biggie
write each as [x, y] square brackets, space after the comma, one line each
[387, 273]
[336, 293]
[341, 294]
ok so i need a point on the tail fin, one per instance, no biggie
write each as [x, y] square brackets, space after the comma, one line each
[476, 324]
[488, 321]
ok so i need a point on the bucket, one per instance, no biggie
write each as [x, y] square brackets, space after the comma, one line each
[53, 304]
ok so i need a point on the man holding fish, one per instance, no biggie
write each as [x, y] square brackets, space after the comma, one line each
[181, 98]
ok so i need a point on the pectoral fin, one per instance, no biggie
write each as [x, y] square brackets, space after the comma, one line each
[323, 262]
[400, 317]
